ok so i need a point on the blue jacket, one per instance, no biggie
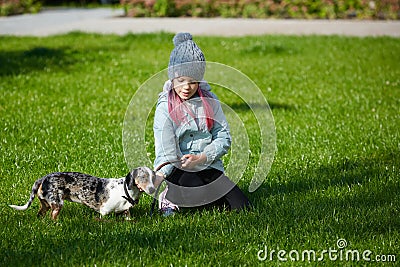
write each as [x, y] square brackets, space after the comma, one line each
[191, 137]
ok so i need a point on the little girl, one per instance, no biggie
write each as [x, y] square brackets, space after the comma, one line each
[192, 133]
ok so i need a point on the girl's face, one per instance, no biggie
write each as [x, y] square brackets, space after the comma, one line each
[185, 87]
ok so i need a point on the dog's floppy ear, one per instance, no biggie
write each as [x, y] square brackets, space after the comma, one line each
[130, 178]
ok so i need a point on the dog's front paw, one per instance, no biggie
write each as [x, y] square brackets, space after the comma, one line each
[126, 215]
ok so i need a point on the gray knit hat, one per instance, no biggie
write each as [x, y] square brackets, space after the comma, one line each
[186, 58]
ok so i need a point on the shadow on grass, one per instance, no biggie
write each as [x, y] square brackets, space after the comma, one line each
[351, 196]
[264, 48]
[37, 58]
[241, 106]
[347, 172]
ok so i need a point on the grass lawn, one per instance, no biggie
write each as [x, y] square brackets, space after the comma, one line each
[336, 105]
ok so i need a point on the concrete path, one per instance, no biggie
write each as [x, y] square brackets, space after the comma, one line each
[106, 20]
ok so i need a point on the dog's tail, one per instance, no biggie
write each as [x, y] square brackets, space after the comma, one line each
[34, 191]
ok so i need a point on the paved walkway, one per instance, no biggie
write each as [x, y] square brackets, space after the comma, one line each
[106, 20]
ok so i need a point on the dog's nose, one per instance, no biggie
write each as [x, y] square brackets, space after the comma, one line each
[151, 190]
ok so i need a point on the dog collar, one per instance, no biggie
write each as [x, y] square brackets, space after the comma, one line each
[128, 197]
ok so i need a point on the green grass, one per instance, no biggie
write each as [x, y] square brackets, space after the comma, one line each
[336, 105]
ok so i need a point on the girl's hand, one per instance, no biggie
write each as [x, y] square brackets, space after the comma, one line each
[190, 161]
[158, 179]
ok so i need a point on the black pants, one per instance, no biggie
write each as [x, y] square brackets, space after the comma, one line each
[234, 199]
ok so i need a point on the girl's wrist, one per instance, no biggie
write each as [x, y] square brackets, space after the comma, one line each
[160, 174]
[202, 158]
[158, 179]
